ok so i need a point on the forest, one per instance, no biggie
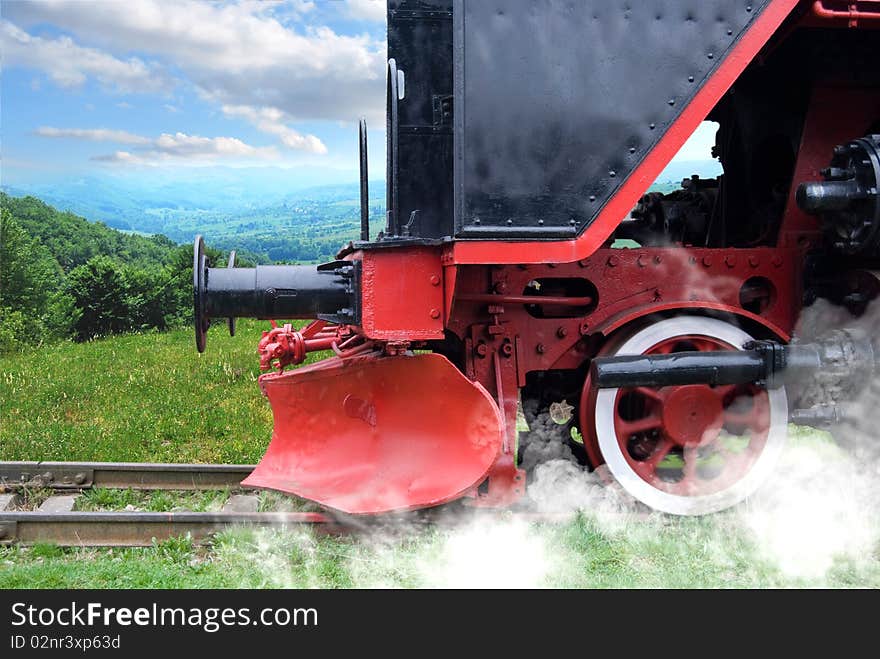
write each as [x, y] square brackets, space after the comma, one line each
[63, 277]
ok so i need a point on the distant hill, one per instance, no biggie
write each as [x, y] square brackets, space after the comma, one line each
[266, 214]
[232, 209]
[73, 240]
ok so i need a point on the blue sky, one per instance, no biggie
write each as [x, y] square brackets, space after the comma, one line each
[160, 86]
[146, 85]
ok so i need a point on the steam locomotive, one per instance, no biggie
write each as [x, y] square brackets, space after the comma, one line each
[524, 266]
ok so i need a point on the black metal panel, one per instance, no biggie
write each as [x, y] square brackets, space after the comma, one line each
[420, 42]
[557, 101]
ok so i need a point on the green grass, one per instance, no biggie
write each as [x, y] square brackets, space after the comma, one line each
[691, 553]
[151, 398]
[140, 397]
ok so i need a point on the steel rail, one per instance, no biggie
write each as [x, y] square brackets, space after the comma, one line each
[134, 475]
[140, 529]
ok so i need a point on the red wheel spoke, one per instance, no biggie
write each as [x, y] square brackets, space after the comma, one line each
[647, 392]
[724, 390]
[738, 418]
[660, 451]
[639, 425]
[704, 345]
[690, 463]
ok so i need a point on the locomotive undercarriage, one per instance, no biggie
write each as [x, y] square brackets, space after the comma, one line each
[669, 346]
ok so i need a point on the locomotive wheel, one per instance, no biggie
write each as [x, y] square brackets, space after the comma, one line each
[685, 450]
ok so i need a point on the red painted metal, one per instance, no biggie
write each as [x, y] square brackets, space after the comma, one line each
[836, 115]
[630, 284]
[852, 11]
[489, 298]
[402, 293]
[617, 208]
[283, 346]
[369, 434]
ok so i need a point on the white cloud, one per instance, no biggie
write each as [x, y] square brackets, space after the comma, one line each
[240, 54]
[70, 65]
[271, 120]
[171, 108]
[92, 134]
[367, 10]
[194, 146]
[172, 148]
[124, 106]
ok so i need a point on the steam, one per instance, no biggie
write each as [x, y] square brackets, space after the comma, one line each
[818, 510]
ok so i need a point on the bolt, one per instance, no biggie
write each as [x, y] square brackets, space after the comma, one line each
[541, 348]
[754, 261]
[435, 313]
[79, 478]
[658, 258]
[435, 280]
[584, 328]
[612, 261]
[707, 260]
[562, 332]
[612, 173]
[642, 261]
[730, 260]
[776, 260]
[501, 287]
[507, 349]
[482, 350]
[584, 263]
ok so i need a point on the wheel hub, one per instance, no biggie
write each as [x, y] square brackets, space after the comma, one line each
[692, 415]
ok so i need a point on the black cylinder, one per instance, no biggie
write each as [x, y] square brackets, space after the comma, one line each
[327, 291]
[275, 291]
[768, 364]
[818, 197]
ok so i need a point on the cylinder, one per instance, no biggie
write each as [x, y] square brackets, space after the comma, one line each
[714, 368]
[329, 291]
[826, 196]
[274, 291]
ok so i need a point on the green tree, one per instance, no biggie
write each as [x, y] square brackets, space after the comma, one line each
[27, 269]
[101, 291]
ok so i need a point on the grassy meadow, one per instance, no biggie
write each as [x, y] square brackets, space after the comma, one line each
[151, 397]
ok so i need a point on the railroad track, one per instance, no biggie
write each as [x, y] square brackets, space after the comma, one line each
[135, 475]
[56, 521]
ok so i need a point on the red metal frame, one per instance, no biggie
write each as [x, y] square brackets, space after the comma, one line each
[836, 115]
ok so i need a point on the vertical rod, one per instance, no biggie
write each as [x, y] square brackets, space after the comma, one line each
[365, 186]
[391, 127]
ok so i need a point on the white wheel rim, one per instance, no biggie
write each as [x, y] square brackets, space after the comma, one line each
[677, 504]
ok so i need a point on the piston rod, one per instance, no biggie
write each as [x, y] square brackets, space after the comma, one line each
[765, 363]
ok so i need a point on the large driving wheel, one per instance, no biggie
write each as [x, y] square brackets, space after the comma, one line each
[685, 450]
